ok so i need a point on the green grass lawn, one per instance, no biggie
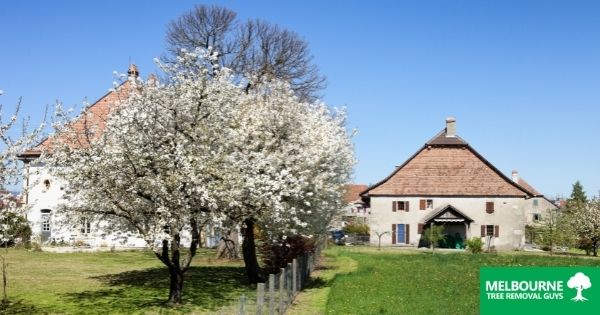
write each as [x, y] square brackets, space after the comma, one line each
[414, 282]
[132, 282]
[362, 280]
[351, 280]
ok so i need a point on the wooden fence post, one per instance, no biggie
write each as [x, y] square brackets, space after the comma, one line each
[242, 304]
[288, 274]
[282, 298]
[271, 294]
[260, 298]
[294, 276]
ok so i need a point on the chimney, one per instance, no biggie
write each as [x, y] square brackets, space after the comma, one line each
[515, 176]
[133, 71]
[450, 127]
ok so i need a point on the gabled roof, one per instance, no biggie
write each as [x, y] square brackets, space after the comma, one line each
[447, 213]
[94, 116]
[447, 166]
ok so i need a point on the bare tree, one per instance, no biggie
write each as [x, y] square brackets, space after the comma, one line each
[203, 26]
[379, 235]
[255, 49]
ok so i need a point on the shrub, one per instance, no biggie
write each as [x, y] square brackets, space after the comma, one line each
[14, 229]
[80, 243]
[434, 235]
[356, 228]
[475, 245]
[36, 247]
[277, 254]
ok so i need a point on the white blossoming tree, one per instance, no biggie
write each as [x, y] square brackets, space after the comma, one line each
[292, 161]
[154, 166]
[586, 223]
[14, 140]
[200, 147]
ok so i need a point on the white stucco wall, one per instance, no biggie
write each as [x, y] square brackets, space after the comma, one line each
[40, 198]
[510, 214]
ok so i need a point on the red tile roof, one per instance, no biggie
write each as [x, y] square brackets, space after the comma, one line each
[94, 117]
[447, 166]
[353, 191]
[528, 187]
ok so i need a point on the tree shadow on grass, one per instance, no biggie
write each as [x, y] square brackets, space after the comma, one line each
[209, 288]
[18, 307]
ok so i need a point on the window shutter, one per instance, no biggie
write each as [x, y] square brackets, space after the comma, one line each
[406, 231]
[394, 206]
[489, 207]
[393, 233]
[406, 206]
[496, 231]
[420, 228]
[422, 204]
[482, 230]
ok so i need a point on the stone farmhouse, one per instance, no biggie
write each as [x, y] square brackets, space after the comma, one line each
[446, 182]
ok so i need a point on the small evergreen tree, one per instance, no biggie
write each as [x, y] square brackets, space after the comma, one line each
[578, 197]
[576, 203]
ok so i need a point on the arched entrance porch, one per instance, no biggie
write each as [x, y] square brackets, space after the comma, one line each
[456, 227]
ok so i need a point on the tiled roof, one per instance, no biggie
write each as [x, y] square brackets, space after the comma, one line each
[526, 185]
[353, 191]
[94, 117]
[447, 166]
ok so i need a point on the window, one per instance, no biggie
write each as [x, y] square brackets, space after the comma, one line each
[46, 184]
[400, 206]
[535, 202]
[425, 204]
[537, 216]
[45, 223]
[45, 220]
[489, 207]
[489, 230]
[86, 226]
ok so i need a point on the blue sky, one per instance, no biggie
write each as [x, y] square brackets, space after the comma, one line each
[521, 77]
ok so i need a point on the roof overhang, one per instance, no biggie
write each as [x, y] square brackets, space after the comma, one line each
[29, 155]
[447, 214]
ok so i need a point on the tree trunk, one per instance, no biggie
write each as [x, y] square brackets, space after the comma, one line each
[228, 246]
[176, 286]
[173, 260]
[249, 252]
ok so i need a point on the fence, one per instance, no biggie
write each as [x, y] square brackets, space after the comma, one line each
[357, 239]
[278, 292]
